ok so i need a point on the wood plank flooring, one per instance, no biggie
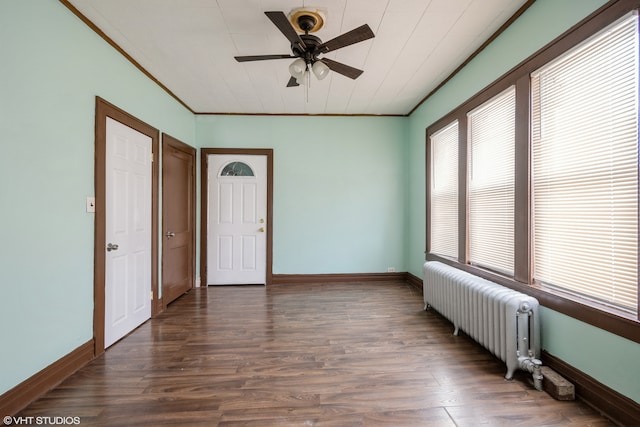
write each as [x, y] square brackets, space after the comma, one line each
[333, 354]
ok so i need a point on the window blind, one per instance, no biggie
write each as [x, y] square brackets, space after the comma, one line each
[585, 168]
[444, 191]
[491, 182]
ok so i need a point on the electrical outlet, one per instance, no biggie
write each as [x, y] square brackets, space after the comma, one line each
[91, 204]
[391, 269]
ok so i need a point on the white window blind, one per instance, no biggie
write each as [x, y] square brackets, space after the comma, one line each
[491, 182]
[444, 191]
[585, 168]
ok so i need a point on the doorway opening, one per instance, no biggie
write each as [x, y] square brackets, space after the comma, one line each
[230, 193]
[105, 110]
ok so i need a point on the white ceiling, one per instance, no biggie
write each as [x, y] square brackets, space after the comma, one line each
[189, 45]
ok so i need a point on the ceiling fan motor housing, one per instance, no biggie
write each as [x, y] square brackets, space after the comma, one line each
[311, 52]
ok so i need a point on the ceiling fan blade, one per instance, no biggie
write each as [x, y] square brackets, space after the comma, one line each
[356, 35]
[261, 57]
[344, 69]
[292, 82]
[280, 20]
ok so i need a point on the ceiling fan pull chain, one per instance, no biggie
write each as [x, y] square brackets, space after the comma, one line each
[307, 74]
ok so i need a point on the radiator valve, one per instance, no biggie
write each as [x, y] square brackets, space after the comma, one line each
[535, 367]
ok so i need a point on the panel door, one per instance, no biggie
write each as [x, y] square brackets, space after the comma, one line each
[237, 186]
[178, 228]
[128, 230]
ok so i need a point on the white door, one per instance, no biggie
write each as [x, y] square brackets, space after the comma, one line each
[237, 228]
[128, 230]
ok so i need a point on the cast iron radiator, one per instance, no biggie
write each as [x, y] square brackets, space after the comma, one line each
[504, 321]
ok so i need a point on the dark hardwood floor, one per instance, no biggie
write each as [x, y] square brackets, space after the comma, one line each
[356, 354]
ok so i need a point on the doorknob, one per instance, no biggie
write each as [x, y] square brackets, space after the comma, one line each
[170, 234]
[111, 247]
[261, 230]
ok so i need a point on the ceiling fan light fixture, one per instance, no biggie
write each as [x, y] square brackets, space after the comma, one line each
[320, 70]
[297, 68]
[303, 79]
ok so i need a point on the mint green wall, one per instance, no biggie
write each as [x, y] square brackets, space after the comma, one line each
[51, 68]
[339, 188]
[606, 357]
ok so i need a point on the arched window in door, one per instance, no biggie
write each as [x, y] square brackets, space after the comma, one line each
[237, 169]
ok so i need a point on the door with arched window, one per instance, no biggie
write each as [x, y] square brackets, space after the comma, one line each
[237, 219]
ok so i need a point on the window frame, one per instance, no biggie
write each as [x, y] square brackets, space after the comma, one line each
[602, 316]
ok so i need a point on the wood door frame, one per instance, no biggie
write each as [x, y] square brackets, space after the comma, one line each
[105, 109]
[169, 141]
[204, 201]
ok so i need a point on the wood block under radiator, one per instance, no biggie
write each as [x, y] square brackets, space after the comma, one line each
[556, 385]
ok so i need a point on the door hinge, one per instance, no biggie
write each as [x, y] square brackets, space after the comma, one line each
[151, 295]
[151, 155]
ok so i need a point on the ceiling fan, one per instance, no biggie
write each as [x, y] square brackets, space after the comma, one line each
[307, 48]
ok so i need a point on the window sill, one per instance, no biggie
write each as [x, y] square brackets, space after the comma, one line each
[618, 322]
